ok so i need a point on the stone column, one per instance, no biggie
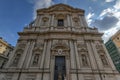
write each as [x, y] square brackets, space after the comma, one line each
[38, 20]
[68, 20]
[29, 55]
[11, 57]
[97, 58]
[77, 56]
[72, 56]
[67, 67]
[52, 66]
[91, 56]
[81, 21]
[24, 54]
[47, 57]
[71, 21]
[43, 55]
[52, 21]
[84, 21]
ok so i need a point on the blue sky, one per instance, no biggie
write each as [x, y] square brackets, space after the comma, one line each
[16, 14]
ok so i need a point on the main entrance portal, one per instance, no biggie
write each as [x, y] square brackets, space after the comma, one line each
[60, 69]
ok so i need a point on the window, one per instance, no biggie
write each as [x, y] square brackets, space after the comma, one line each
[60, 22]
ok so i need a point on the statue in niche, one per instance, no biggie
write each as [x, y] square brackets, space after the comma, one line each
[103, 59]
[59, 76]
[36, 59]
[84, 60]
[16, 60]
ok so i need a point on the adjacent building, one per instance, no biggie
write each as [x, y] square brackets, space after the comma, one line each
[59, 45]
[5, 50]
[113, 47]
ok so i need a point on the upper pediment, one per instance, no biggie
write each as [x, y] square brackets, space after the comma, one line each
[60, 7]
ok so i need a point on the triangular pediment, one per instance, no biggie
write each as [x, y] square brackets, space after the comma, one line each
[60, 7]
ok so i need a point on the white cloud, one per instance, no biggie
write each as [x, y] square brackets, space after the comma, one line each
[109, 0]
[112, 11]
[40, 4]
[117, 5]
[89, 18]
[109, 33]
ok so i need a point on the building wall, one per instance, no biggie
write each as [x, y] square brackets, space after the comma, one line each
[3, 46]
[114, 53]
[85, 55]
[116, 40]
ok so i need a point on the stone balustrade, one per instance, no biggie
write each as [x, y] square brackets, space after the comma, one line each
[61, 29]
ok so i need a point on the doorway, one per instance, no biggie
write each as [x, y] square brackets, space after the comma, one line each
[60, 68]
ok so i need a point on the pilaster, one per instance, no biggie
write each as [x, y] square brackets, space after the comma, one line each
[71, 21]
[47, 57]
[29, 55]
[24, 54]
[11, 57]
[68, 20]
[81, 22]
[97, 58]
[52, 21]
[77, 56]
[43, 55]
[91, 55]
[84, 21]
[72, 56]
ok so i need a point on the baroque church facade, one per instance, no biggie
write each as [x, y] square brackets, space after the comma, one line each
[59, 45]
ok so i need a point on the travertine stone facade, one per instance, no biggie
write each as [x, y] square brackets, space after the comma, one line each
[59, 45]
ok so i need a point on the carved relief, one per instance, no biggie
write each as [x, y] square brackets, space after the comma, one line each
[60, 48]
[76, 21]
[99, 47]
[82, 51]
[60, 16]
[45, 21]
[38, 45]
[21, 46]
[81, 46]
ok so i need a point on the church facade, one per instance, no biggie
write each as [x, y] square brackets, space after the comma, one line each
[59, 45]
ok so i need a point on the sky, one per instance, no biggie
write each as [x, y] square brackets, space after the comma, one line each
[16, 14]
